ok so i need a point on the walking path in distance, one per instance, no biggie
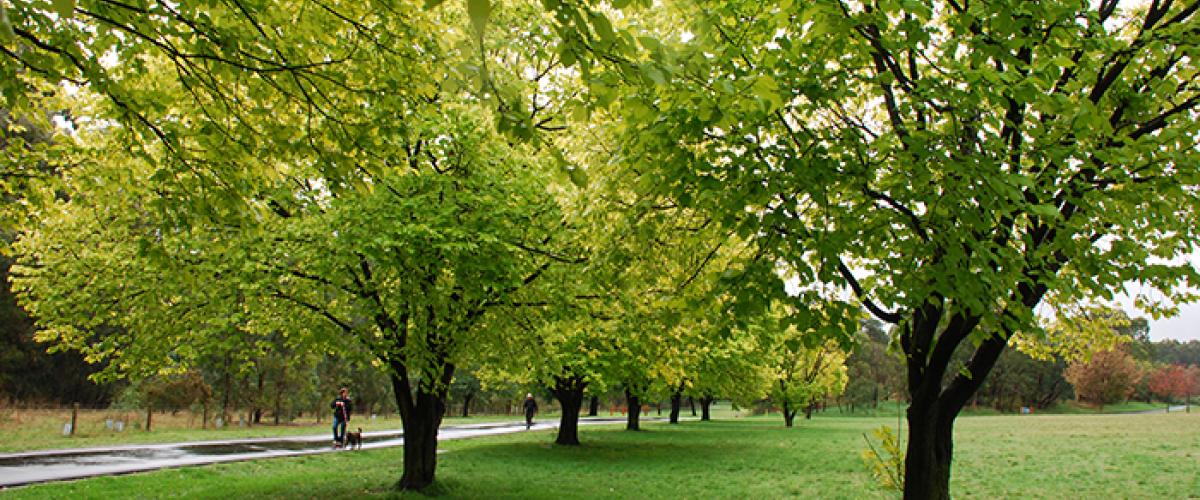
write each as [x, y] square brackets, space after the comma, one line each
[57, 465]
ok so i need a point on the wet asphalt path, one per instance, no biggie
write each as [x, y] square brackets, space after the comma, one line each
[56, 465]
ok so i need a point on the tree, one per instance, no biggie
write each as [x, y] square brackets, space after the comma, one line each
[952, 164]
[1109, 377]
[806, 366]
[872, 370]
[1019, 379]
[1176, 352]
[1174, 382]
[322, 270]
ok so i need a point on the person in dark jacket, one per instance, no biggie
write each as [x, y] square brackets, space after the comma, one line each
[341, 416]
[530, 410]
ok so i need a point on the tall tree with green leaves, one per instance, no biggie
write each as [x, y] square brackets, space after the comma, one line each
[336, 161]
[952, 164]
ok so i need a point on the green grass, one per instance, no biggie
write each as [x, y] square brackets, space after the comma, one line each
[891, 408]
[1042, 456]
[1073, 408]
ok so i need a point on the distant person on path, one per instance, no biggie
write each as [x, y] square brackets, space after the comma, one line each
[341, 416]
[530, 410]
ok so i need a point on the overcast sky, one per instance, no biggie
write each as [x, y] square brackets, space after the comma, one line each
[1185, 326]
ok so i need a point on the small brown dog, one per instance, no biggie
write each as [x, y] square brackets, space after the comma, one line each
[354, 440]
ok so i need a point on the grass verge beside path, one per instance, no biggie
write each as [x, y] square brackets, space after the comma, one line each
[1122, 456]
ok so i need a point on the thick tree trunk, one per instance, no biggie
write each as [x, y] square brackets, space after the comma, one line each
[420, 416]
[930, 448]
[569, 393]
[934, 404]
[594, 406]
[635, 411]
[676, 404]
[420, 441]
[789, 415]
[705, 403]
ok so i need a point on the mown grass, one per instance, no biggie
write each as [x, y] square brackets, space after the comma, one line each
[1051, 456]
[891, 408]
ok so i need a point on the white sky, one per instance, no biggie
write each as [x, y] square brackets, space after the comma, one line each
[1186, 326]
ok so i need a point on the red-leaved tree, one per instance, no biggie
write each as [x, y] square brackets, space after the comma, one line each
[1108, 378]
[1174, 382]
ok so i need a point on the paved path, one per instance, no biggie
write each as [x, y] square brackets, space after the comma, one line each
[56, 465]
[1174, 408]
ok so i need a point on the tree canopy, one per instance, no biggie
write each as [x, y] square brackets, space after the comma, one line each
[428, 180]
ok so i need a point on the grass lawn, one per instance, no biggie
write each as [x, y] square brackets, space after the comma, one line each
[1043, 456]
[890, 408]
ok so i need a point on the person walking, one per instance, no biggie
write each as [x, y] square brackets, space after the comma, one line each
[341, 416]
[530, 410]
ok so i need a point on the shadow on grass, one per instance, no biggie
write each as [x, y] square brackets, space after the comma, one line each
[687, 442]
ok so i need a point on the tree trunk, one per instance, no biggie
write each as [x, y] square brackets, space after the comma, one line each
[935, 404]
[420, 417]
[635, 411]
[569, 393]
[676, 404]
[278, 406]
[594, 406]
[258, 397]
[467, 403]
[789, 415]
[280, 385]
[149, 417]
[692, 404]
[930, 446]
[705, 402]
[225, 393]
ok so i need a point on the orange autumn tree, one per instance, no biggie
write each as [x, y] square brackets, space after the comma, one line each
[1109, 377]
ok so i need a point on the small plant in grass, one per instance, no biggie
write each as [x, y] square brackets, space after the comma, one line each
[886, 462]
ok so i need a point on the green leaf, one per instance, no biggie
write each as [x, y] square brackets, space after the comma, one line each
[577, 175]
[603, 28]
[429, 4]
[479, 10]
[767, 89]
[64, 8]
[1043, 210]
[654, 74]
